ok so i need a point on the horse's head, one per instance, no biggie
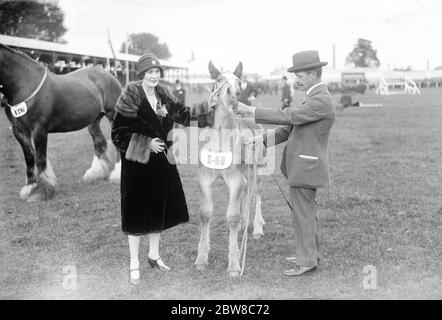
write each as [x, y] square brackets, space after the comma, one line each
[227, 87]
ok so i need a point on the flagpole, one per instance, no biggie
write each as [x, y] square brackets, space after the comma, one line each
[127, 59]
[113, 52]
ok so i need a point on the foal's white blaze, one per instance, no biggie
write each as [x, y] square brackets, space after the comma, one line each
[115, 175]
[233, 84]
[98, 169]
[26, 191]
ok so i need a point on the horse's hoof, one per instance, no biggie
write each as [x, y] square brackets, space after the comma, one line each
[92, 175]
[25, 192]
[257, 236]
[201, 267]
[115, 177]
[98, 170]
[42, 192]
[234, 274]
[35, 197]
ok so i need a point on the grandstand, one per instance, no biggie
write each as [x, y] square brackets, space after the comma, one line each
[63, 58]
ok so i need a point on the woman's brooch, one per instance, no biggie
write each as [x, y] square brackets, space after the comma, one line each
[161, 110]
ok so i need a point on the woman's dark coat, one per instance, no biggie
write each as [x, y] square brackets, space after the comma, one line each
[152, 196]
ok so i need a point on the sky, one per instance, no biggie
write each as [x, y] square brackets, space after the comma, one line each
[264, 34]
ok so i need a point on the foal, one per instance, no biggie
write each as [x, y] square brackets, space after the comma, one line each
[222, 156]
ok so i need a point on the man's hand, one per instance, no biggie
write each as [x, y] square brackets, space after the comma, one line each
[243, 109]
[251, 98]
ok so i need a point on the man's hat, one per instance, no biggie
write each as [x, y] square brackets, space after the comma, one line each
[146, 62]
[306, 60]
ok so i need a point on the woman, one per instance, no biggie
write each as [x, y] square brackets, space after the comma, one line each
[152, 197]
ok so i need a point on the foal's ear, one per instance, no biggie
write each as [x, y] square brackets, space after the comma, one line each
[238, 70]
[214, 72]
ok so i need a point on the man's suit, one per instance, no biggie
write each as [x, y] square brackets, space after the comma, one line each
[305, 161]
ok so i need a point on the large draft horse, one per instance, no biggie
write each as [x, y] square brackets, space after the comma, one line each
[224, 137]
[40, 102]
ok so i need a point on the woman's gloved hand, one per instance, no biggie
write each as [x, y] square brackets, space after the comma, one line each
[157, 145]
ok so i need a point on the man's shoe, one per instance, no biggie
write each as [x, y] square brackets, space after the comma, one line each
[297, 272]
[293, 259]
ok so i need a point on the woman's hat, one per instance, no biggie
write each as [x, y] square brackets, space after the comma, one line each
[146, 62]
[306, 60]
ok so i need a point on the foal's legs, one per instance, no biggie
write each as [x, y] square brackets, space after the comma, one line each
[46, 179]
[235, 183]
[258, 221]
[101, 163]
[205, 183]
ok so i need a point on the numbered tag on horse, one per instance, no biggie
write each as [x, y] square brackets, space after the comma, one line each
[19, 110]
[216, 160]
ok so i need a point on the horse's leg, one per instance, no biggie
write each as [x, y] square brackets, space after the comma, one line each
[244, 206]
[258, 221]
[205, 183]
[46, 179]
[235, 183]
[24, 138]
[115, 175]
[101, 163]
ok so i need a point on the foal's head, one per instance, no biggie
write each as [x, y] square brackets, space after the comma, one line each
[227, 87]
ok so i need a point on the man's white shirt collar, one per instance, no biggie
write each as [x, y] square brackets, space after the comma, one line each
[312, 87]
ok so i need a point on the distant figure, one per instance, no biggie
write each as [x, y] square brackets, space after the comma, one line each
[2, 100]
[179, 92]
[248, 92]
[286, 97]
[276, 89]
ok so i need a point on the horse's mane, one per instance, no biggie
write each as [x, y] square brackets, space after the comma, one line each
[22, 54]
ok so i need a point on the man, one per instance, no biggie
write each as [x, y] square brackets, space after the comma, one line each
[179, 92]
[248, 92]
[305, 157]
[286, 97]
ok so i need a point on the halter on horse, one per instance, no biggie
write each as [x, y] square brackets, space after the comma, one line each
[40, 102]
[222, 156]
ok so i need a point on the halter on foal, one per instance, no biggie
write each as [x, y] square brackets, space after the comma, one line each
[222, 156]
[40, 102]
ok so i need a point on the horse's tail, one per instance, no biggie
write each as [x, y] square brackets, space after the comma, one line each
[114, 92]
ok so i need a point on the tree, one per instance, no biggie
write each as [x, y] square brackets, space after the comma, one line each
[363, 55]
[32, 19]
[141, 43]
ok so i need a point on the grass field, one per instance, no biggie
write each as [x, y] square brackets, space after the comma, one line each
[384, 209]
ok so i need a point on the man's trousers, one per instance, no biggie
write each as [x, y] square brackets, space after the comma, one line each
[304, 220]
